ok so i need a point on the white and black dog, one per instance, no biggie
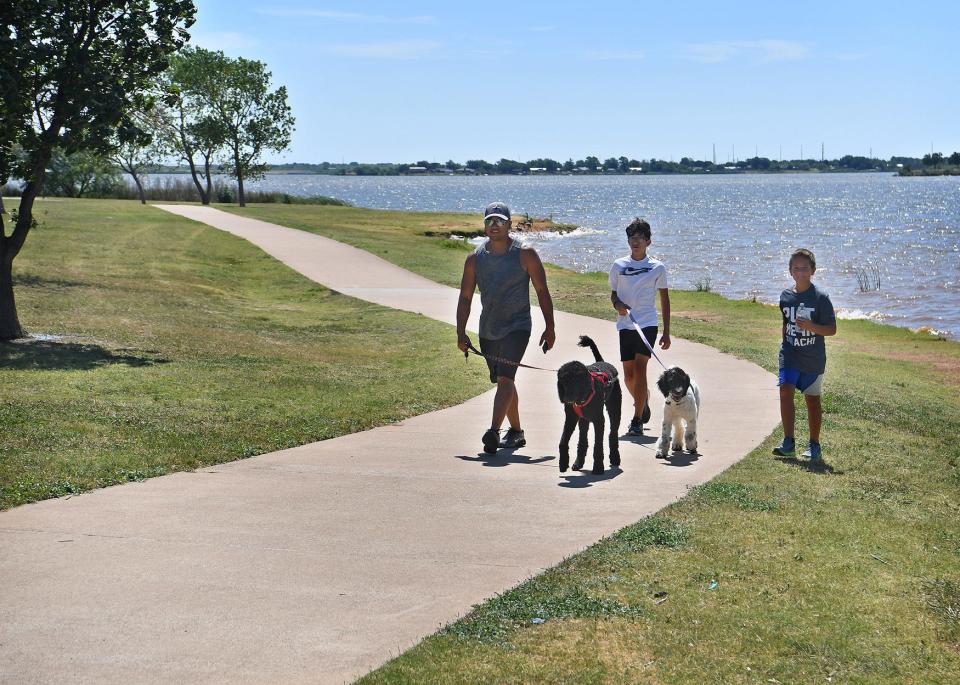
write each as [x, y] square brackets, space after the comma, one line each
[681, 408]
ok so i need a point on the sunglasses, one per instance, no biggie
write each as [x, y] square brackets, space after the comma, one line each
[495, 221]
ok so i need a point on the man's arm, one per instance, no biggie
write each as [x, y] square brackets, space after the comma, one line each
[468, 283]
[530, 261]
[665, 314]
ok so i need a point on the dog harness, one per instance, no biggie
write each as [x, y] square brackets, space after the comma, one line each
[595, 376]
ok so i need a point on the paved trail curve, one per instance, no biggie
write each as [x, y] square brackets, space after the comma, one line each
[320, 563]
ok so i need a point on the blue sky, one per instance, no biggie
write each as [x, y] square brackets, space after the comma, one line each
[380, 81]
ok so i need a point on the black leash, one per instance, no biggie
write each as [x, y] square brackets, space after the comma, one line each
[500, 360]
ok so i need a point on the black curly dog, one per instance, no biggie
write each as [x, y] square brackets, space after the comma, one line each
[584, 391]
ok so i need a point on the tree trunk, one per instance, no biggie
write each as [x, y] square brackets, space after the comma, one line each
[136, 179]
[10, 327]
[204, 197]
[10, 246]
[240, 197]
[208, 196]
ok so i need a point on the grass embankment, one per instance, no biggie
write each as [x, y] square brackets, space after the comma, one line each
[180, 346]
[772, 572]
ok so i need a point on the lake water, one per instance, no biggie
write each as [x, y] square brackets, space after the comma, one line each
[734, 231]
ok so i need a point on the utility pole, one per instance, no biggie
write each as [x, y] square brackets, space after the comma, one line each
[821, 153]
[801, 151]
[714, 154]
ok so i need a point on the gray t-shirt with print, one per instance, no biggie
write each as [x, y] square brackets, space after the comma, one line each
[800, 349]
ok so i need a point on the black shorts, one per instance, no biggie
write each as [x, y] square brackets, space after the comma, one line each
[510, 347]
[631, 345]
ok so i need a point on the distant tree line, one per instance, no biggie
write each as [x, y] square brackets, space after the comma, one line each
[934, 164]
[612, 165]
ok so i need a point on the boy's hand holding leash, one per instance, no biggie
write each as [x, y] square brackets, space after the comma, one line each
[621, 308]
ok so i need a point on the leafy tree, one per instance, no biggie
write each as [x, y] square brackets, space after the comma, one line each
[80, 173]
[611, 164]
[189, 124]
[569, 165]
[71, 73]
[511, 166]
[623, 165]
[592, 163]
[954, 158]
[758, 163]
[254, 118]
[147, 150]
[550, 165]
[933, 159]
[479, 165]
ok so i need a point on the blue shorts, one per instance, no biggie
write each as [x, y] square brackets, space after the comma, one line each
[807, 383]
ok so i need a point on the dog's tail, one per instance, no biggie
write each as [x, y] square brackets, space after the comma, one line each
[586, 341]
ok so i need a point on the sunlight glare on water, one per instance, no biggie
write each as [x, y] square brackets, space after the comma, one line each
[735, 230]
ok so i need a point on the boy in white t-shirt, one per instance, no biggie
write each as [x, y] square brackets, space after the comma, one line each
[635, 280]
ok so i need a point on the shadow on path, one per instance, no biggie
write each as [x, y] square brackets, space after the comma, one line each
[504, 457]
[585, 479]
[41, 355]
[639, 439]
[681, 459]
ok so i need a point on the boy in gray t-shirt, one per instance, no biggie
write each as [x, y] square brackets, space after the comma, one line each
[807, 317]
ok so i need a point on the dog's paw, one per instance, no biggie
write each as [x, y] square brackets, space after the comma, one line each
[597, 470]
[614, 459]
[578, 464]
[661, 454]
[678, 448]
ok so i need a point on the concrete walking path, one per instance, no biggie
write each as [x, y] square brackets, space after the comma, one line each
[319, 563]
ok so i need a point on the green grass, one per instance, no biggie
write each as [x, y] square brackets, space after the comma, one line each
[180, 346]
[775, 571]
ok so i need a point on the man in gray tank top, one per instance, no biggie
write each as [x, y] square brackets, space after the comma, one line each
[503, 269]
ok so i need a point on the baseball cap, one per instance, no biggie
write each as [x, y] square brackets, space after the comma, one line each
[497, 209]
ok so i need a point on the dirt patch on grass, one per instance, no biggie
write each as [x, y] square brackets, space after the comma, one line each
[946, 366]
[697, 316]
